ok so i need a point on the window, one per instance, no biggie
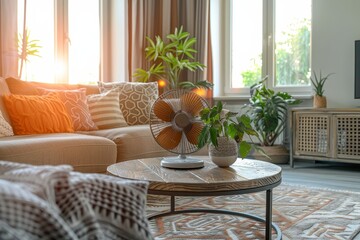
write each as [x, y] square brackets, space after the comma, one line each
[269, 38]
[40, 28]
[69, 38]
[84, 47]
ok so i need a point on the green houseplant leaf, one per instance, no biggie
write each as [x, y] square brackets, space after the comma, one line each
[27, 48]
[319, 82]
[169, 58]
[268, 111]
[220, 123]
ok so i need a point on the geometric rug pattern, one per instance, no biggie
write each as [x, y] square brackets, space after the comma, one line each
[300, 212]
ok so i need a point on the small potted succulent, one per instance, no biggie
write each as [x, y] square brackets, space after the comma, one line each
[224, 131]
[318, 83]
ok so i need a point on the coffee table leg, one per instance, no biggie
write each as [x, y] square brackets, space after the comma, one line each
[268, 223]
[172, 203]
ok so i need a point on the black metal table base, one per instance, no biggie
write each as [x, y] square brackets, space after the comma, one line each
[269, 225]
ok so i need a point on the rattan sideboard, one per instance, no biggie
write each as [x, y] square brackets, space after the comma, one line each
[328, 134]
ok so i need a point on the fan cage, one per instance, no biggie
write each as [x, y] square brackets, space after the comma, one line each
[172, 98]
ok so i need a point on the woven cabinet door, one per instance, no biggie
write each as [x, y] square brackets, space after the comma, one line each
[347, 136]
[312, 134]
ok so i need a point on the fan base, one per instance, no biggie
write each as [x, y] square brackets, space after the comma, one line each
[182, 163]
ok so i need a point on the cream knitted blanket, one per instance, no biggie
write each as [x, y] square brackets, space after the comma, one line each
[53, 202]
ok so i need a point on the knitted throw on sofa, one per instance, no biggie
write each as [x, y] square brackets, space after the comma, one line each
[53, 202]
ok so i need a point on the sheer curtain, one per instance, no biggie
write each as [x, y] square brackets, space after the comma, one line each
[160, 17]
[8, 38]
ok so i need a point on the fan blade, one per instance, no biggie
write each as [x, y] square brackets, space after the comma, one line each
[168, 138]
[163, 110]
[192, 103]
[193, 134]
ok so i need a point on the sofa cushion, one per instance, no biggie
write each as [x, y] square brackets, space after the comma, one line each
[136, 142]
[105, 110]
[136, 99]
[76, 106]
[21, 87]
[133, 142]
[37, 114]
[85, 153]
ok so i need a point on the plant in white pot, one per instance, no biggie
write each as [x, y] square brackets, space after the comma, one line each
[318, 83]
[268, 113]
[224, 131]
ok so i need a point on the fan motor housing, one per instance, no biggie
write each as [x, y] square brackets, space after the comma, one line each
[181, 120]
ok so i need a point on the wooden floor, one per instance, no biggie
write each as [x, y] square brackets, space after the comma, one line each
[321, 174]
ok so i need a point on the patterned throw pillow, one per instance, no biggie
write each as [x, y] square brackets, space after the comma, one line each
[77, 107]
[104, 87]
[31, 114]
[5, 128]
[136, 99]
[105, 110]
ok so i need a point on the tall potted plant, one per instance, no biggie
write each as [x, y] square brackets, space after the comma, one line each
[169, 58]
[25, 45]
[318, 83]
[224, 131]
[268, 113]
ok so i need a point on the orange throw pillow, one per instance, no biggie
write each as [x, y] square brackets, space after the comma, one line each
[77, 107]
[37, 114]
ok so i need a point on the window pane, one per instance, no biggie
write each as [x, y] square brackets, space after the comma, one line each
[84, 34]
[246, 54]
[292, 41]
[41, 31]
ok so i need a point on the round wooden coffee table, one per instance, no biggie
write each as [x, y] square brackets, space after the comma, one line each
[244, 176]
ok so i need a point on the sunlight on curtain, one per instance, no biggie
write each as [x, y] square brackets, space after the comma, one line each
[84, 47]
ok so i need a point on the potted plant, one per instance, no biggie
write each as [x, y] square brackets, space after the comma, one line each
[27, 48]
[318, 83]
[169, 58]
[224, 131]
[268, 113]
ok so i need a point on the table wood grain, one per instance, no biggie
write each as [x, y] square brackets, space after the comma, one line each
[243, 174]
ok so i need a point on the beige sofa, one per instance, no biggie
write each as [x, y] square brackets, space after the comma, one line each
[89, 151]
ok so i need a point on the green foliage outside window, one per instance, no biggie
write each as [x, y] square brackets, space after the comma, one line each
[252, 76]
[293, 56]
[292, 59]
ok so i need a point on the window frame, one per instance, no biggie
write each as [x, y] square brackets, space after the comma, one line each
[268, 55]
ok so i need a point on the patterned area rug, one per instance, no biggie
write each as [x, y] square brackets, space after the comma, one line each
[300, 212]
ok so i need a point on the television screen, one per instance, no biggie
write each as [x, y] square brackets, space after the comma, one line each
[357, 69]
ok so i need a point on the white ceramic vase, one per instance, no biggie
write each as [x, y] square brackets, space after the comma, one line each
[226, 153]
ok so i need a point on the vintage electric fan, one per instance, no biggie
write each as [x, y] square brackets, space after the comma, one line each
[176, 125]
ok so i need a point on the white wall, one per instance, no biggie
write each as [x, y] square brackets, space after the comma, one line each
[336, 25]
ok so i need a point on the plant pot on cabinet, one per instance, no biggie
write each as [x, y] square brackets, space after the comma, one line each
[225, 153]
[319, 101]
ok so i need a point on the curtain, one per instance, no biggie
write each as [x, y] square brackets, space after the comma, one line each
[160, 17]
[195, 17]
[144, 19]
[8, 38]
